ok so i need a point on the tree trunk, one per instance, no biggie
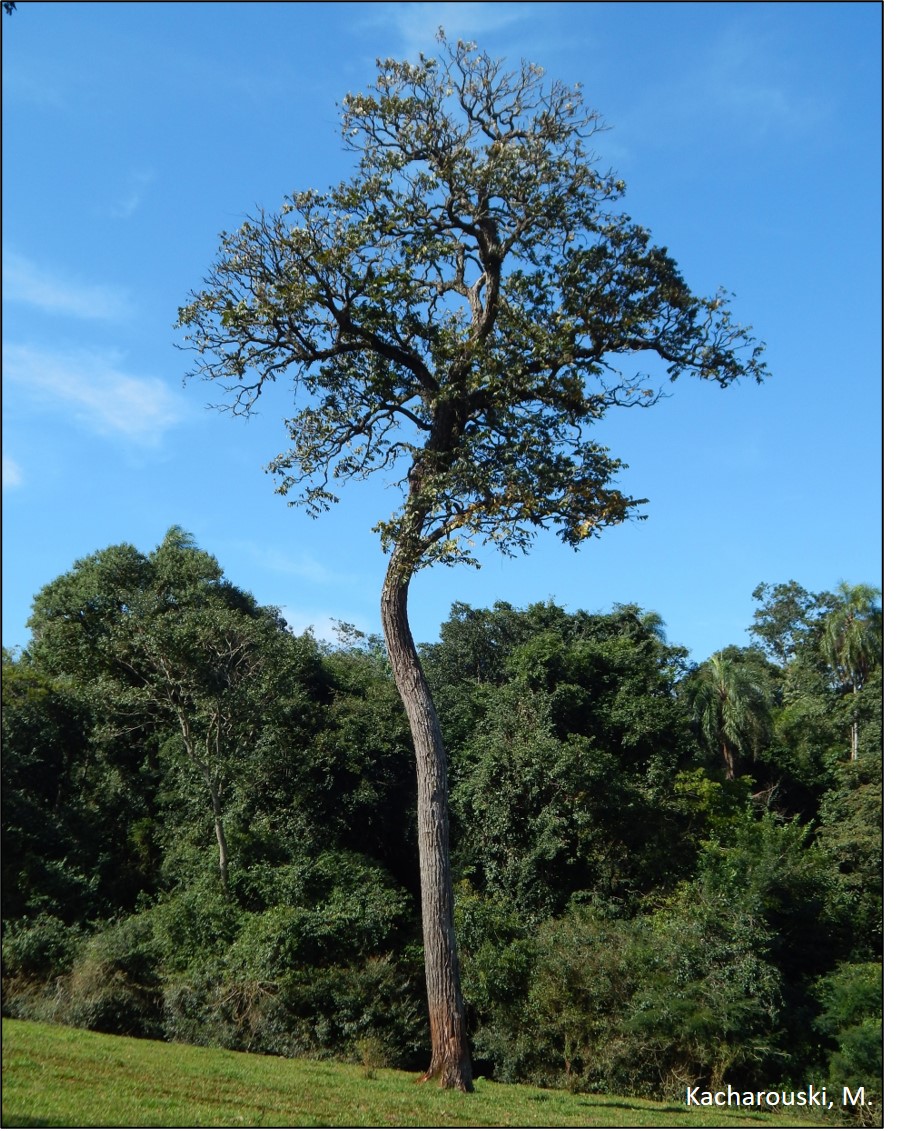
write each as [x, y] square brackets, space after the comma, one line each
[213, 785]
[450, 1057]
[729, 761]
[220, 836]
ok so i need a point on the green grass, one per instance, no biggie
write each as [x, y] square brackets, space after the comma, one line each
[59, 1077]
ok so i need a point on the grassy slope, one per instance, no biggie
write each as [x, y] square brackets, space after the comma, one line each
[59, 1077]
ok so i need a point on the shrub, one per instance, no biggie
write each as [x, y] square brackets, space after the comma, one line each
[114, 985]
[640, 1006]
[195, 923]
[312, 1011]
[851, 1024]
[38, 948]
[337, 1007]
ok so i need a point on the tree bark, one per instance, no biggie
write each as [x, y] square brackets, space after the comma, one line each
[729, 762]
[219, 836]
[212, 784]
[450, 1057]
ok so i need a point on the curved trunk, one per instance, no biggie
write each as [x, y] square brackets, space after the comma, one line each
[450, 1058]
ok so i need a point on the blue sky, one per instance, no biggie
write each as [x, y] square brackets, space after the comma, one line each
[750, 139]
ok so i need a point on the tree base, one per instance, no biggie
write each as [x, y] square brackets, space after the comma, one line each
[453, 1077]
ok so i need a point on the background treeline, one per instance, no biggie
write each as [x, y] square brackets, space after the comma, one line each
[666, 873]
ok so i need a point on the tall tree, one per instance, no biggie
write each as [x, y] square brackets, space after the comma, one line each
[163, 638]
[852, 642]
[731, 708]
[463, 308]
[786, 618]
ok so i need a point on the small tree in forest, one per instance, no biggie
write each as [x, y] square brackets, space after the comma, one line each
[852, 642]
[461, 310]
[731, 708]
[784, 624]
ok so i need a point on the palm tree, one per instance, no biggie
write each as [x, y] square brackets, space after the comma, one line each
[731, 706]
[852, 642]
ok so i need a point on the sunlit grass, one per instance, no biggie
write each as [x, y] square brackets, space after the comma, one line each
[59, 1077]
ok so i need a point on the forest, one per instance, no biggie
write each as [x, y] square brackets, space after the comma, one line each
[666, 873]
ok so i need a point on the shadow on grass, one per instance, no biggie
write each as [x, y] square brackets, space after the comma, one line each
[676, 1109]
[628, 1106]
[10, 1119]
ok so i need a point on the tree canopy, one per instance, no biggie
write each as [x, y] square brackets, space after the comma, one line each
[466, 306]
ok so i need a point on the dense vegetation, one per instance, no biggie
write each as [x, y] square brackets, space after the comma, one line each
[667, 874]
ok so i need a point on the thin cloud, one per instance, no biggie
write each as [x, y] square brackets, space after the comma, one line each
[36, 84]
[743, 76]
[93, 386]
[25, 281]
[302, 564]
[12, 474]
[133, 196]
[417, 23]
[739, 84]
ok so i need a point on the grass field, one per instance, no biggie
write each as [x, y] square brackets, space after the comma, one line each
[59, 1077]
